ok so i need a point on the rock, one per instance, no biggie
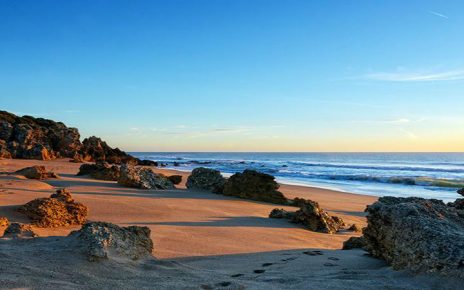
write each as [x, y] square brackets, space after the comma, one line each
[354, 243]
[18, 231]
[255, 186]
[100, 170]
[175, 179]
[37, 138]
[206, 179]
[355, 228]
[458, 204]
[4, 222]
[143, 178]
[280, 214]
[58, 210]
[77, 158]
[461, 191]
[147, 163]
[314, 218]
[36, 172]
[422, 235]
[101, 240]
[95, 149]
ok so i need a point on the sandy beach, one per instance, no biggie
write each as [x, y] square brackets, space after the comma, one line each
[208, 236]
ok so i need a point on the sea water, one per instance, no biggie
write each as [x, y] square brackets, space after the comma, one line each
[428, 175]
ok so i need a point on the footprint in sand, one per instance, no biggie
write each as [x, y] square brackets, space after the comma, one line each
[289, 259]
[236, 275]
[333, 258]
[267, 264]
[259, 271]
[330, 265]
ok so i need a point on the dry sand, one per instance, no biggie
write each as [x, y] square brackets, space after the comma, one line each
[202, 240]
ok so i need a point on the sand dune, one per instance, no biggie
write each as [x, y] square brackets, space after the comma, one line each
[200, 239]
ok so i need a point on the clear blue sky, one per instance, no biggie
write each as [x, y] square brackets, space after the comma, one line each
[240, 75]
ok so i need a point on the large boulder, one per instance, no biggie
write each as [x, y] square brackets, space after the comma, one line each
[101, 240]
[354, 243]
[422, 235]
[143, 178]
[100, 170]
[36, 172]
[95, 149]
[58, 210]
[255, 186]
[206, 179]
[175, 179]
[461, 191]
[19, 231]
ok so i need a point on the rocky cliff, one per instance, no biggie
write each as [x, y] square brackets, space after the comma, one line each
[37, 138]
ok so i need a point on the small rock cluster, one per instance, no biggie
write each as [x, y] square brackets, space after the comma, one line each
[144, 178]
[4, 222]
[206, 179]
[58, 210]
[100, 170]
[36, 172]
[311, 216]
[422, 235]
[101, 240]
[354, 243]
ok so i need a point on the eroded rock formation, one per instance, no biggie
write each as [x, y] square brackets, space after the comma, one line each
[100, 170]
[58, 210]
[206, 179]
[255, 186]
[18, 231]
[311, 216]
[354, 243]
[422, 235]
[101, 240]
[36, 172]
[144, 178]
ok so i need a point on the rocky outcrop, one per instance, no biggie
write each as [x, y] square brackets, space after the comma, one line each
[58, 210]
[355, 228]
[101, 240]
[37, 138]
[422, 235]
[36, 172]
[255, 186]
[311, 216]
[19, 231]
[100, 170]
[206, 179]
[461, 191]
[175, 179]
[4, 222]
[354, 243]
[144, 178]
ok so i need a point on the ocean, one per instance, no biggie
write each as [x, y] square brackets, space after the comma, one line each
[428, 175]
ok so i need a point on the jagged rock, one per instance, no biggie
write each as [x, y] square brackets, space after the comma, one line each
[77, 158]
[57, 210]
[102, 240]
[176, 179]
[422, 235]
[37, 138]
[255, 186]
[4, 222]
[18, 231]
[100, 170]
[354, 243]
[355, 228]
[95, 149]
[280, 214]
[36, 172]
[143, 178]
[461, 191]
[311, 216]
[458, 204]
[314, 218]
[206, 179]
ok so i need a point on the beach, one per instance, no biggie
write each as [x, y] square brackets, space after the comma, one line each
[209, 236]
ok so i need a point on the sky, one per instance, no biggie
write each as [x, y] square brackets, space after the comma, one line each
[233, 75]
